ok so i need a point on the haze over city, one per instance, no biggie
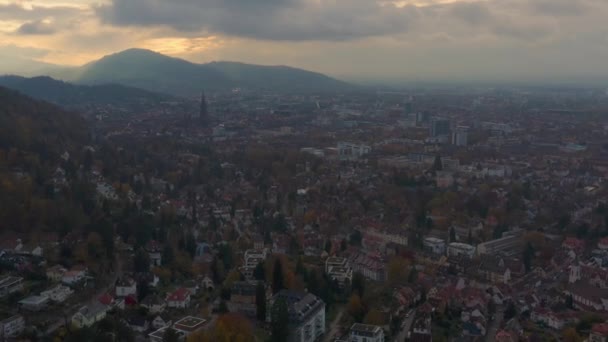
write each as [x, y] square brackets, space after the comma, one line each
[361, 40]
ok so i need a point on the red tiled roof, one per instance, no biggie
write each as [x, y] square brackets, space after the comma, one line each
[600, 329]
[106, 299]
[179, 295]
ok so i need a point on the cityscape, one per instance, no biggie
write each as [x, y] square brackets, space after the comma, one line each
[148, 195]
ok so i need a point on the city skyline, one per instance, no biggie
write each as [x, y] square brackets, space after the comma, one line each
[494, 40]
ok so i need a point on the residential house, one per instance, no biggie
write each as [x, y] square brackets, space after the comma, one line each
[55, 273]
[161, 321]
[125, 287]
[10, 285]
[57, 294]
[459, 248]
[252, 258]
[154, 303]
[75, 275]
[180, 298]
[154, 250]
[138, 323]
[366, 333]
[552, 319]
[11, 327]
[306, 315]
[34, 303]
[493, 269]
[599, 333]
[370, 266]
[434, 245]
[207, 283]
[89, 315]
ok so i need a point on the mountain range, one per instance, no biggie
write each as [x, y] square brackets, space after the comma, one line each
[155, 72]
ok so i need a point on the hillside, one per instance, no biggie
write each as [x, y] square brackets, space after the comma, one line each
[70, 95]
[156, 72]
[38, 127]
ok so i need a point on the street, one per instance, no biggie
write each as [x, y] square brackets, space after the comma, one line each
[405, 327]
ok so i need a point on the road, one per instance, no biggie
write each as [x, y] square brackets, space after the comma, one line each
[334, 327]
[495, 324]
[69, 312]
[406, 326]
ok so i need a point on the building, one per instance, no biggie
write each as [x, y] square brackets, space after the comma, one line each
[339, 269]
[89, 315]
[189, 325]
[508, 245]
[242, 298]
[251, 260]
[125, 287]
[58, 294]
[306, 315]
[179, 299]
[158, 335]
[351, 152]
[10, 285]
[370, 267]
[155, 253]
[55, 273]
[460, 137]
[366, 333]
[458, 248]
[11, 327]
[34, 303]
[599, 333]
[154, 303]
[434, 245]
[439, 127]
[74, 275]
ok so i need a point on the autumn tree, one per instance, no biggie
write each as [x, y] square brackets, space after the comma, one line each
[570, 335]
[398, 269]
[356, 308]
[374, 317]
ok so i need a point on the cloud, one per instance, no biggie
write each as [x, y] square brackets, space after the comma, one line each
[282, 20]
[18, 12]
[37, 27]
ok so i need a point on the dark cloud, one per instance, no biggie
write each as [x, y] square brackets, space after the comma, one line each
[289, 20]
[37, 27]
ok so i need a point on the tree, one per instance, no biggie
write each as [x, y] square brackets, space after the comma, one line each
[413, 276]
[280, 321]
[259, 273]
[570, 335]
[397, 270]
[358, 284]
[452, 234]
[355, 308]
[170, 335]
[142, 290]
[437, 164]
[510, 311]
[328, 246]
[167, 256]
[141, 261]
[343, 245]
[278, 282]
[528, 256]
[374, 317]
[260, 301]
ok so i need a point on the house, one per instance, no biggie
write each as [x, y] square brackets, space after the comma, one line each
[306, 315]
[57, 294]
[11, 327]
[338, 269]
[588, 297]
[154, 303]
[55, 273]
[154, 250]
[89, 315]
[551, 319]
[599, 333]
[138, 323]
[242, 298]
[207, 284]
[493, 269]
[10, 285]
[125, 287]
[161, 322]
[459, 248]
[75, 275]
[366, 333]
[434, 245]
[180, 298]
[34, 303]
[158, 335]
[505, 336]
[189, 325]
[11, 245]
[110, 302]
[252, 258]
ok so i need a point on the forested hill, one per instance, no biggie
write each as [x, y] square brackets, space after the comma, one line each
[37, 127]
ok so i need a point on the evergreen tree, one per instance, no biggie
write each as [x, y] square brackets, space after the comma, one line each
[141, 261]
[452, 234]
[278, 282]
[259, 273]
[280, 321]
[170, 335]
[260, 301]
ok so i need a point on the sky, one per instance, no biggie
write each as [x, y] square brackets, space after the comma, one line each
[380, 40]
